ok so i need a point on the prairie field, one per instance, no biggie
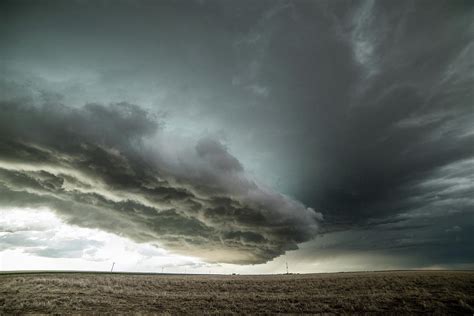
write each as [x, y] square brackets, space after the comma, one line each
[433, 292]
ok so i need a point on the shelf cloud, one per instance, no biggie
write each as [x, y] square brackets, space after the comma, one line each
[90, 164]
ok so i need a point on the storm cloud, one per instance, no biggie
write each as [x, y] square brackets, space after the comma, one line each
[216, 128]
[90, 164]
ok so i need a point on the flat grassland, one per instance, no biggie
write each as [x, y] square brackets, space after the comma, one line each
[439, 292]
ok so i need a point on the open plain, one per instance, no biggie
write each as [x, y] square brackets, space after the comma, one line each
[438, 292]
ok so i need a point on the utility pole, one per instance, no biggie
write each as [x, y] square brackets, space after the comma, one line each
[287, 268]
[113, 264]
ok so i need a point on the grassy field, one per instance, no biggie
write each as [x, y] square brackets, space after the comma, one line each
[442, 292]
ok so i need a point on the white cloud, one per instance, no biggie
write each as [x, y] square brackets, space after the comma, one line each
[32, 239]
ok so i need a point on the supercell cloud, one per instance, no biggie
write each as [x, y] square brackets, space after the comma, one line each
[238, 130]
[91, 165]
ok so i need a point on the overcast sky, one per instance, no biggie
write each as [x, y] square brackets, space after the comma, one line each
[232, 136]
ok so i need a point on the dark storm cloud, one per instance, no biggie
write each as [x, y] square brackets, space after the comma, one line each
[91, 166]
[398, 144]
[370, 99]
[407, 115]
[360, 109]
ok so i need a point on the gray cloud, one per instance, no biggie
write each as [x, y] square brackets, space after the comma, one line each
[91, 166]
[359, 109]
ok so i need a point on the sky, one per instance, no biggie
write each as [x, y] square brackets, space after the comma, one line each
[222, 136]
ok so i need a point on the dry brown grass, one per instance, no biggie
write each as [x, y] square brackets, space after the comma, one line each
[438, 292]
